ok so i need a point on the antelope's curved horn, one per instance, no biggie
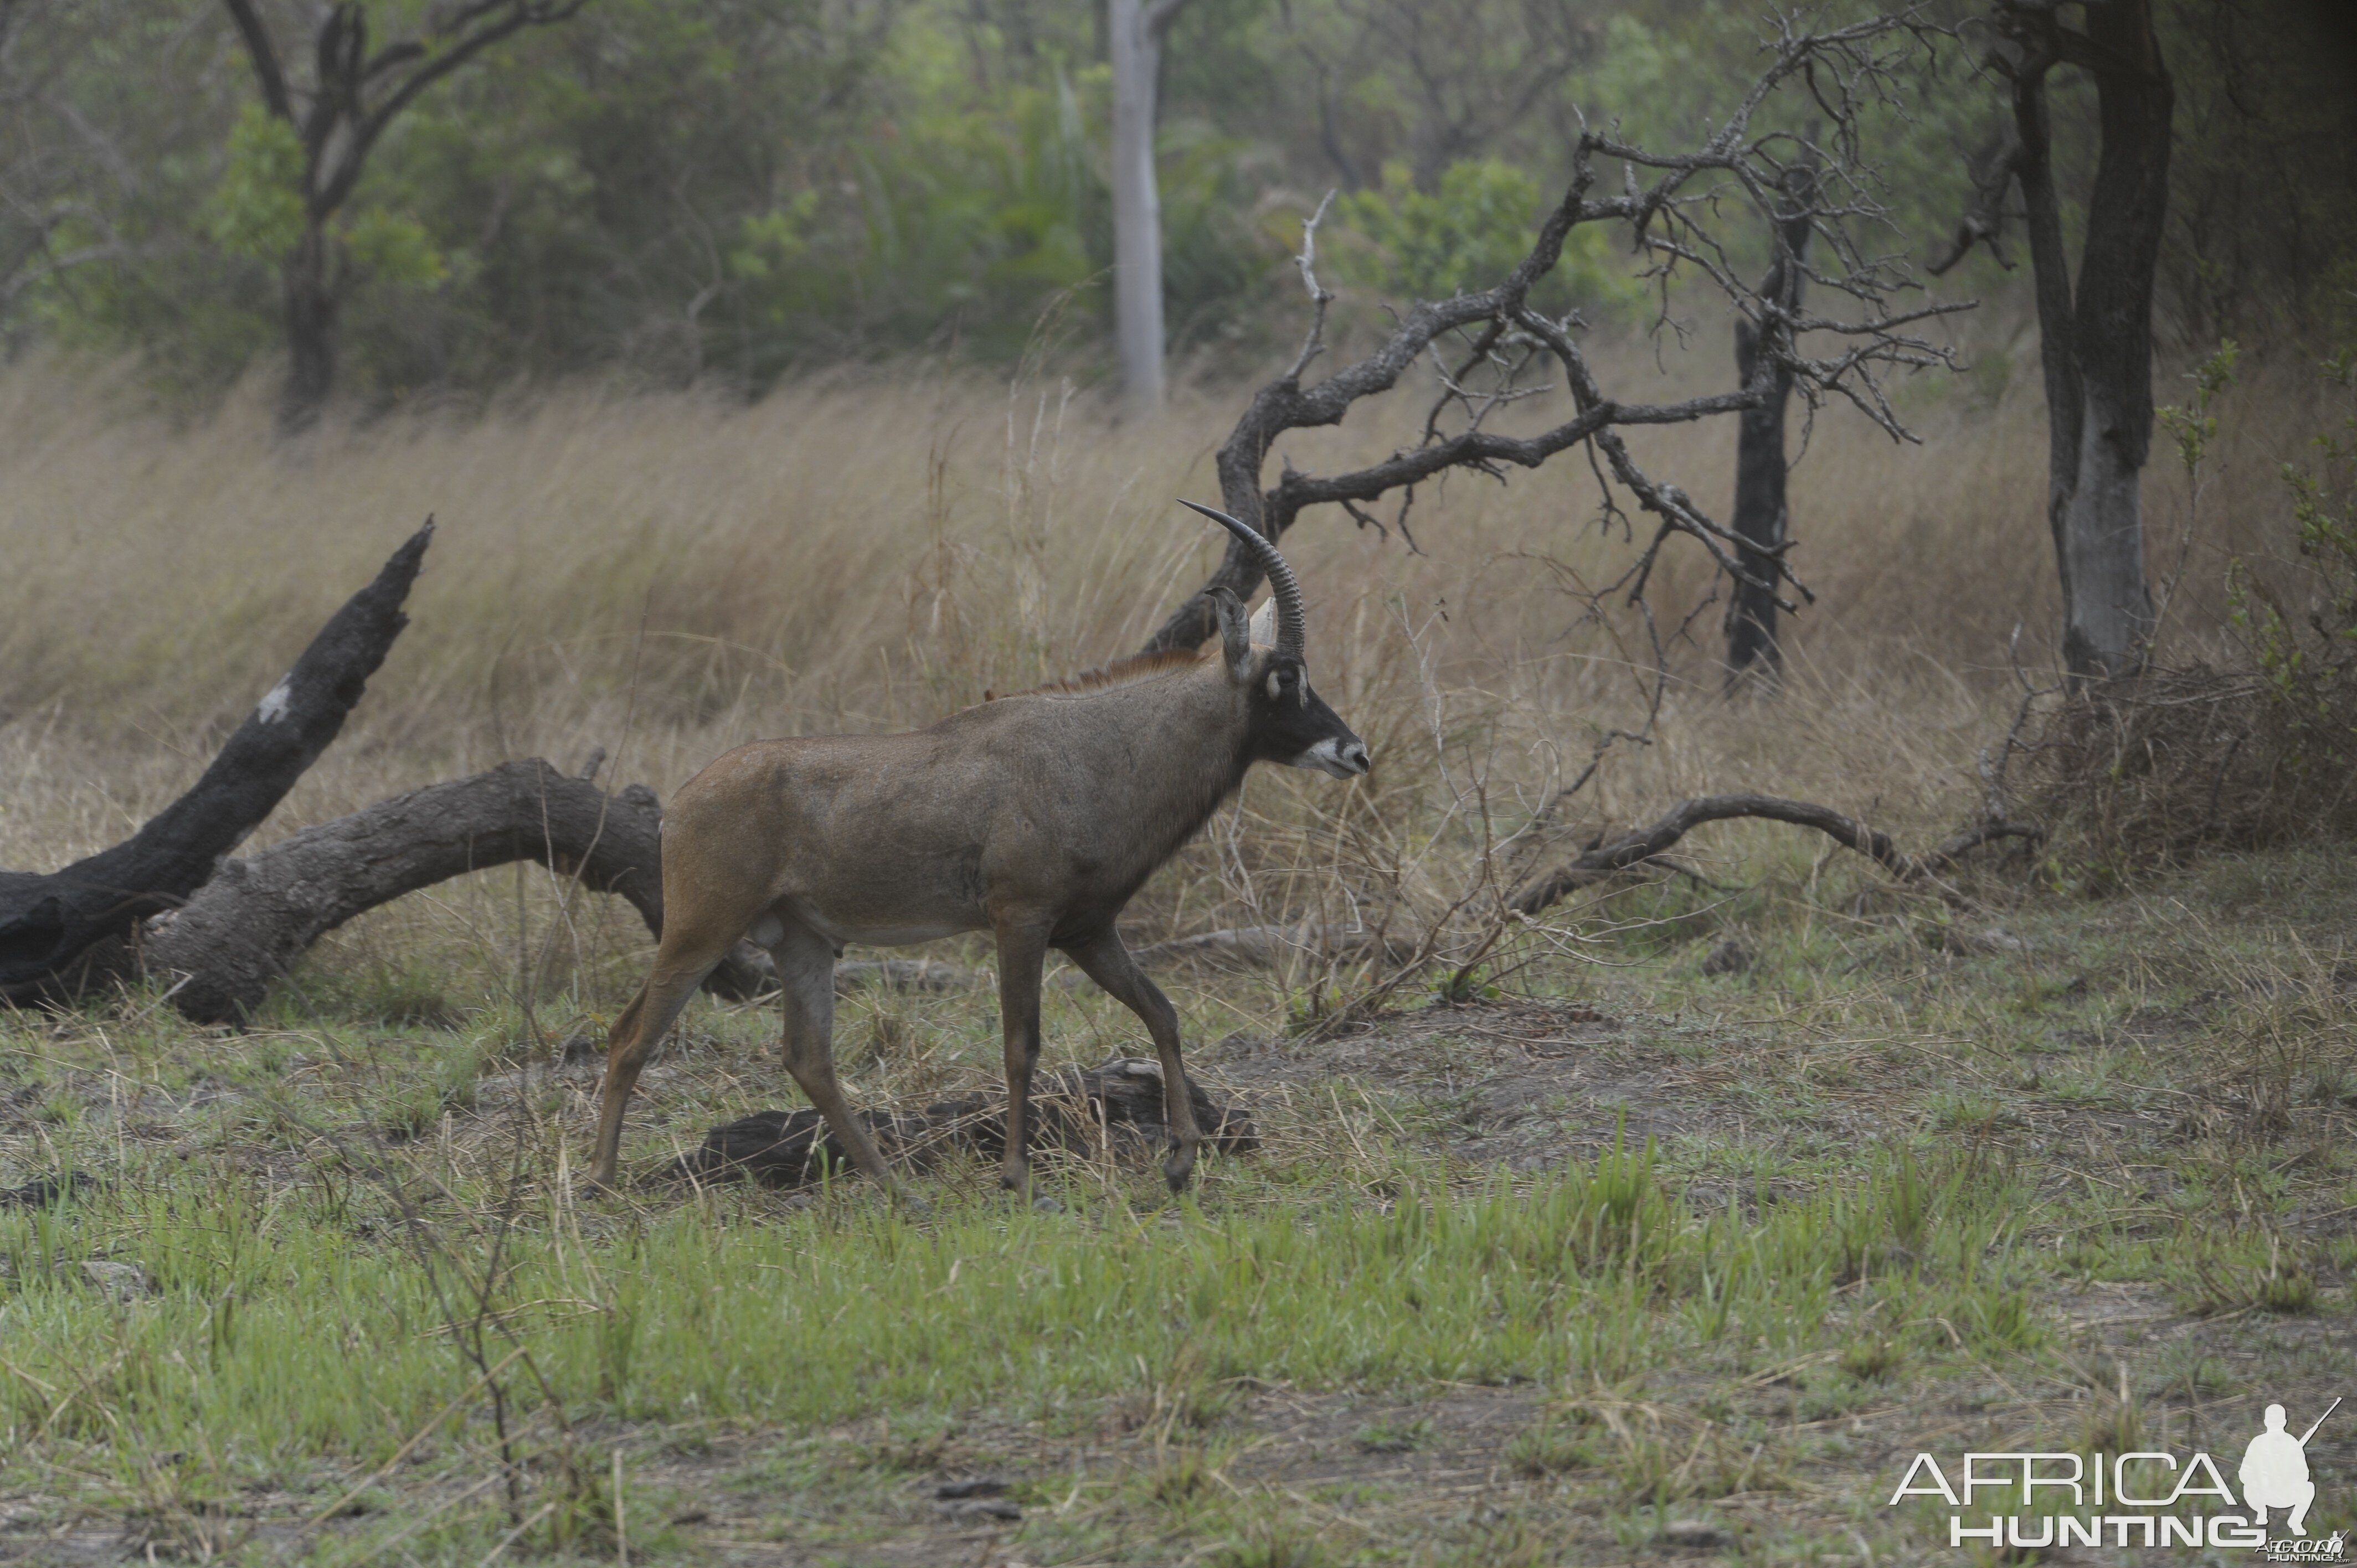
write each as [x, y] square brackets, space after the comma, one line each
[1292, 633]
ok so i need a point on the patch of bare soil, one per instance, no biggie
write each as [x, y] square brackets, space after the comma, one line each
[997, 1495]
[1527, 1084]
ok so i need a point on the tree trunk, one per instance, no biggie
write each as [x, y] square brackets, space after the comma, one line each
[49, 922]
[355, 93]
[1759, 519]
[2096, 350]
[310, 298]
[1760, 514]
[1135, 42]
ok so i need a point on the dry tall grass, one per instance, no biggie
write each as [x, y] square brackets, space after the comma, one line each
[666, 577]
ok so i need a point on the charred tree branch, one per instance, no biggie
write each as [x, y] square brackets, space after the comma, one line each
[47, 922]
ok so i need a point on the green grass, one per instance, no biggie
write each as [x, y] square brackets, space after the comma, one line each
[1891, 1187]
[707, 1311]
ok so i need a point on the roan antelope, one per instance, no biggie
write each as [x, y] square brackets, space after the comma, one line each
[1034, 817]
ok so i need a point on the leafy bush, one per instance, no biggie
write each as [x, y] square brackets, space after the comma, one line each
[1468, 235]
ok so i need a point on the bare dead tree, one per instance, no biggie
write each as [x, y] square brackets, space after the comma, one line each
[356, 92]
[2096, 347]
[1484, 347]
[1759, 520]
[1819, 194]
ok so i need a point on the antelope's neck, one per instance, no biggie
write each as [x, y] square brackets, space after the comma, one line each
[1194, 793]
[1167, 765]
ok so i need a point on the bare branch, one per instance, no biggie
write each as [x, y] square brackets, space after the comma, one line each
[1646, 845]
[1297, 490]
[1320, 296]
[1992, 172]
[1669, 217]
[268, 74]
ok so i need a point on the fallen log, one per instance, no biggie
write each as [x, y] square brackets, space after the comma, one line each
[221, 951]
[1632, 850]
[62, 930]
[1116, 1108]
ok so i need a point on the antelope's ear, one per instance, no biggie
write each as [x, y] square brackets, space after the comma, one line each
[1263, 624]
[1235, 636]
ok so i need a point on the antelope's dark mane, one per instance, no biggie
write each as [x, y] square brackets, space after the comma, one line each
[1120, 673]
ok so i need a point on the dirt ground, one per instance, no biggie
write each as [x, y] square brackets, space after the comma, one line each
[1466, 1474]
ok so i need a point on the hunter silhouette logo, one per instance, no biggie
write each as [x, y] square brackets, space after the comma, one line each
[2275, 1471]
[2146, 1497]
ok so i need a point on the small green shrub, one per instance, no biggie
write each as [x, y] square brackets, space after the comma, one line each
[1871, 1360]
[1393, 1437]
[1556, 1444]
[1271, 1547]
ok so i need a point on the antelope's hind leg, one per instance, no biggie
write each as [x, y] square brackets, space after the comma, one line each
[1104, 960]
[686, 955]
[1022, 953]
[805, 964]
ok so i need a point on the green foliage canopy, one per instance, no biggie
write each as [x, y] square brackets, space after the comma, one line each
[735, 190]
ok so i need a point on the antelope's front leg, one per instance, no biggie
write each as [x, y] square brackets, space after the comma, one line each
[1106, 959]
[1022, 952]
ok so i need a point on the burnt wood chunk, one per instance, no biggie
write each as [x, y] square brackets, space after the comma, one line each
[1115, 1108]
[48, 921]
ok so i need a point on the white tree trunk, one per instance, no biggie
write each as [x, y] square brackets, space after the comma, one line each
[2096, 350]
[1133, 33]
[2110, 617]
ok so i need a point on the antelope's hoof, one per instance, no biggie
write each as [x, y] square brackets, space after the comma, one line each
[1177, 1169]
